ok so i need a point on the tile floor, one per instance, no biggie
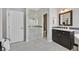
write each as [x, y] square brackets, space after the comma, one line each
[37, 45]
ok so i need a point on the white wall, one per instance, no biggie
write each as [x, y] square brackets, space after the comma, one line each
[52, 21]
[76, 17]
[4, 23]
[38, 15]
[41, 12]
[33, 17]
[0, 20]
[0, 23]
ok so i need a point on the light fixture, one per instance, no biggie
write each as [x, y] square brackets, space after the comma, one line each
[65, 10]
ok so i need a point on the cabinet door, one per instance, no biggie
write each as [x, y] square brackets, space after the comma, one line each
[0, 47]
[66, 39]
[56, 36]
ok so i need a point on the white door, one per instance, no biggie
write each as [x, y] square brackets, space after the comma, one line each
[15, 26]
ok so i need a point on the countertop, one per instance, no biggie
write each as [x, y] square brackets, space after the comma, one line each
[64, 29]
[67, 28]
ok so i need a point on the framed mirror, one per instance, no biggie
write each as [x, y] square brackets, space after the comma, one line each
[65, 18]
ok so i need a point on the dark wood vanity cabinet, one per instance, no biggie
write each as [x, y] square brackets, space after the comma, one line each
[64, 38]
[0, 47]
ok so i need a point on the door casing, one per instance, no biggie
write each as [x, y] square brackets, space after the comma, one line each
[45, 25]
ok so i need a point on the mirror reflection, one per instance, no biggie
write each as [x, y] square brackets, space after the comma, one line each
[65, 19]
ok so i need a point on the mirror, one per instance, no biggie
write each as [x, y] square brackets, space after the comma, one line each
[65, 18]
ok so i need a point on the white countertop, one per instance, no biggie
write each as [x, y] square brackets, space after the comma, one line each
[68, 26]
[65, 29]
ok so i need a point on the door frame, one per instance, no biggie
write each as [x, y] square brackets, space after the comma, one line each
[7, 14]
[43, 24]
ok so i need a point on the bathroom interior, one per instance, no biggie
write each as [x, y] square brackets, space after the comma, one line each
[45, 29]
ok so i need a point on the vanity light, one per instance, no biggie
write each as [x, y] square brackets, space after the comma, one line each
[65, 10]
[61, 11]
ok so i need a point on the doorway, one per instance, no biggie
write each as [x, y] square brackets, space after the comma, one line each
[45, 25]
[15, 26]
